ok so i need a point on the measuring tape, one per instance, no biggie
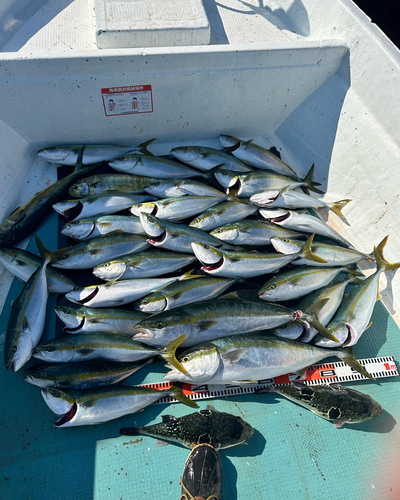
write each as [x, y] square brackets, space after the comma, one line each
[327, 373]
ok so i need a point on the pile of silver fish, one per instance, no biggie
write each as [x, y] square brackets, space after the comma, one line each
[196, 228]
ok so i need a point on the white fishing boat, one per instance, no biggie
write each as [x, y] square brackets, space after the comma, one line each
[317, 80]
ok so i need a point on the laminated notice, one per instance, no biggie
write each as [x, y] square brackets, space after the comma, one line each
[129, 100]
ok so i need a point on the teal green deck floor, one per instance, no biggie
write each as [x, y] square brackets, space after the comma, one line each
[293, 454]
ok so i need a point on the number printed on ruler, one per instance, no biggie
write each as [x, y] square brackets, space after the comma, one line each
[327, 373]
[129, 100]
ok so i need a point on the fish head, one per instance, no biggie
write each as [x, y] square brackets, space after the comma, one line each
[59, 401]
[274, 290]
[159, 188]
[286, 245]
[148, 208]
[152, 304]
[187, 154]
[230, 143]
[211, 258]
[70, 209]
[72, 317]
[35, 375]
[125, 163]
[56, 353]
[227, 178]
[160, 329]
[265, 199]
[79, 189]
[18, 350]
[202, 222]
[79, 230]
[7, 255]
[111, 270]
[272, 214]
[82, 295]
[153, 228]
[54, 153]
[229, 232]
[201, 363]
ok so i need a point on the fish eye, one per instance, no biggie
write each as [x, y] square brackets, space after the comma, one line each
[145, 302]
[54, 393]
[218, 231]
[34, 375]
[64, 257]
[160, 325]
[207, 247]
[185, 359]
[285, 240]
[14, 350]
[272, 287]
[51, 348]
[156, 184]
[197, 221]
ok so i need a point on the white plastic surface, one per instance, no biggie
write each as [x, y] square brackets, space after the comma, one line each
[150, 23]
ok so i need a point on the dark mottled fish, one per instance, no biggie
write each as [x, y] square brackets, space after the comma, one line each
[221, 430]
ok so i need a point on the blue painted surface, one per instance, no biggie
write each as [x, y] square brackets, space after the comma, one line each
[293, 454]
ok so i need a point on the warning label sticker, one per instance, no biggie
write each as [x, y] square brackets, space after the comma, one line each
[127, 100]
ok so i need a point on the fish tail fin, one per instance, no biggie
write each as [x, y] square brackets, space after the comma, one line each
[265, 389]
[337, 206]
[188, 276]
[131, 431]
[346, 355]
[209, 175]
[381, 262]
[311, 317]
[143, 147]
[309, 184]
[177, 392]
[168, 353]
[307, 253]
[44, 252]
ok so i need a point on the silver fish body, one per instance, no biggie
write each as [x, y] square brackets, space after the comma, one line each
[176, 208]
[255, 156]
[178, 187]
[143, 265]
[182, 293]
[153, 166]
[117, 293]
[211, 319]
[223, 213]
[205, 158]
[252, 233]
[90, 320]
[88, 254]
[80, 375]
[109, 183]
[302, 222]
[92, 227]
[23, 264]
[250, 357]
[97, 205]
[175, 237]
[68, 155]
[27, 319]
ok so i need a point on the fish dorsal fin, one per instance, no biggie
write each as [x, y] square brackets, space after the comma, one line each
[110, 283]
[234, 356]
[285, 189]
[25, 323]
[212, 409]
[230, 295]
[159, 442]
[247, 143]
[166, 419]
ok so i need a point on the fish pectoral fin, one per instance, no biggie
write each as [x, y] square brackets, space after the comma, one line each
[110, 283]
[212, 409]
[25, 323]
[206, 324]
[20, 262]
[159, 442]
[84, 351]
[95, 251]
[234, 356]
[166, 419]
[339, 422]
[89, 403]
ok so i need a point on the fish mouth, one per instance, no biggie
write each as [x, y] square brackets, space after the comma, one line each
[72, 213]
[229, 149]
[281, 218]
[351, 337]
[143, 334]
[71, 329]
[89, 297]
[212, 267]
[153, 240]
[67, 417]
